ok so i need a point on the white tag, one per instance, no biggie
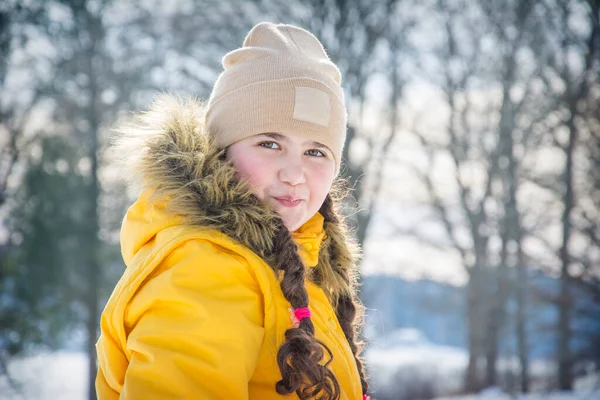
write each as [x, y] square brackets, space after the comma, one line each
[312, 105]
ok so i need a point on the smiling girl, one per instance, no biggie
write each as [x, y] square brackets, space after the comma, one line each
[241, 276]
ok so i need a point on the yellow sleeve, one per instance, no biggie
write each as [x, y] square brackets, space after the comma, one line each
[196, 327]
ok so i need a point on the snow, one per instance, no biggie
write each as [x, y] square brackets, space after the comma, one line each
[406, 354]
[404, 364]
[496, 394]
[47, 376]
[404, 359]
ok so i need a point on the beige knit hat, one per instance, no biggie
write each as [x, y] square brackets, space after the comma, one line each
[280, 81]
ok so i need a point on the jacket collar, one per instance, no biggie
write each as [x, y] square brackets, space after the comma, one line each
[309, 238]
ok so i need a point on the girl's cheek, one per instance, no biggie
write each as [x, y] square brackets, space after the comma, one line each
[322, 176]
[259, 176]
[249, 167]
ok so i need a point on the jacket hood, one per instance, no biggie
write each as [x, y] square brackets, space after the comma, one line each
[168, 153]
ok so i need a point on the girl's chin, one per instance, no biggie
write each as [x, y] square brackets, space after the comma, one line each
[292, 223]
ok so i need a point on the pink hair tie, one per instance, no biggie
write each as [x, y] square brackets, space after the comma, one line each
[301, 313]
[298, 314]
[365, 397]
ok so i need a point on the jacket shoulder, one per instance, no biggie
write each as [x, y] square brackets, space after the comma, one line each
[212, 255]
[217, 243]
[208, 262]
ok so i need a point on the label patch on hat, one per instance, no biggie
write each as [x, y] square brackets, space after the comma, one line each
[312, 105]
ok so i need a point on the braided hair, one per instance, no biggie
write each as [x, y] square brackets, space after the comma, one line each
[300, 355]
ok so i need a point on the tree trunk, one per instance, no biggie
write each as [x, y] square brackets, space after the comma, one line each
[565, 378]
[496, 317]
[495, 321]
[491, 355]
[93, 271]
[92, 327]
[93, 264]
[523, 348]
[474, 323]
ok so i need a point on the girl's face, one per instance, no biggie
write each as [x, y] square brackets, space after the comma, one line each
[291, 173]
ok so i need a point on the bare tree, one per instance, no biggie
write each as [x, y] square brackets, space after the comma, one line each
[504, 19]
[91, 82]
[17, 104]
[485, 141]
[570, 45]
[476, 220]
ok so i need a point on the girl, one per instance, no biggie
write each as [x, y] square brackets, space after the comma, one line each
[241, 278]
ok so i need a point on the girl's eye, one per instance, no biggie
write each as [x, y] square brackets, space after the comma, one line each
[269, 145]
[315, 153]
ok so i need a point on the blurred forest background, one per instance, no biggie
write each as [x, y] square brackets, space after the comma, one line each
[473, 149]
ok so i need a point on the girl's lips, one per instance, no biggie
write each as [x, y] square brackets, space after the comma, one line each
[286, 202]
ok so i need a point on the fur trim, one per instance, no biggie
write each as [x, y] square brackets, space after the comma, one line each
[169, 150]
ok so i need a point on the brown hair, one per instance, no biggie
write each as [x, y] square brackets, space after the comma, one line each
[300, 355]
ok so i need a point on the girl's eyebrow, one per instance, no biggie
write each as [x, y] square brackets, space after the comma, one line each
[283, 138]
[275, 136]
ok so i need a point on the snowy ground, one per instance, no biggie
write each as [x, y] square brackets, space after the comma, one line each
[494, 394]
[586, 388]
[405, 360]
[61, 375]
[404, 365]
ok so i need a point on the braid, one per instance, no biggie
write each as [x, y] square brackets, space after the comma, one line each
[299, 356]
[346, 313]
[348, 310]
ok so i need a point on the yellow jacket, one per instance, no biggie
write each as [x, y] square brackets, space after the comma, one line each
[198, 314]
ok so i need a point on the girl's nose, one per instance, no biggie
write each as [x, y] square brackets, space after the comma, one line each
[292, 173]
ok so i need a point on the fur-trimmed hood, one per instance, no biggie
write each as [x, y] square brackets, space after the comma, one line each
[168, 151]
